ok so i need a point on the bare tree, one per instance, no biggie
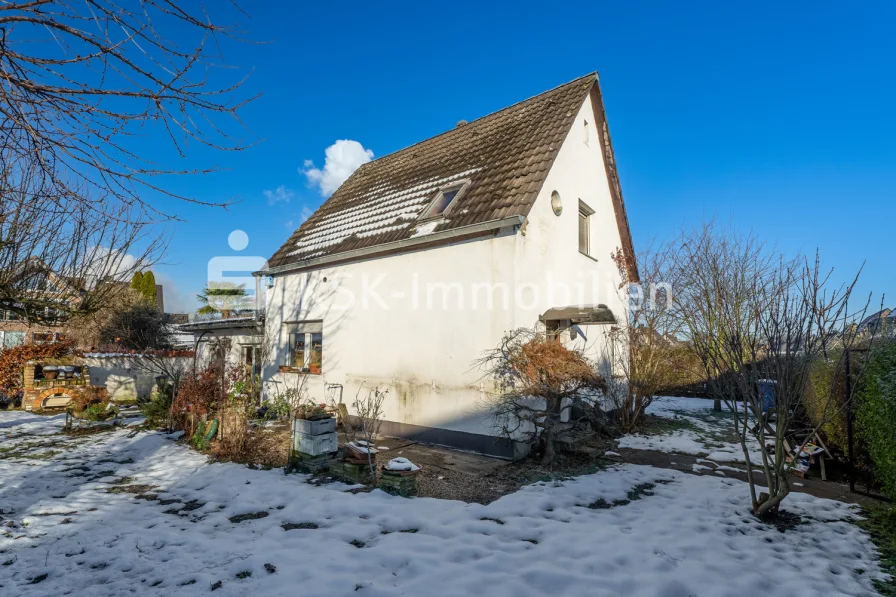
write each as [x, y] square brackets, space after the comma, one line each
[79, 80]
[539, 382]
[753, 315]
[81, 83]
[59, 256]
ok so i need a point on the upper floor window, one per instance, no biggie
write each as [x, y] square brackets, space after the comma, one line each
[444, 199]
[585, 214]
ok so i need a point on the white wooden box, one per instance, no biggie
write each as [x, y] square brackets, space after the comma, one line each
[317, 427]
[315, 445]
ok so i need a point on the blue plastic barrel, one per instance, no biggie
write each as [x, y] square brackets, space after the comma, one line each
[767, 393]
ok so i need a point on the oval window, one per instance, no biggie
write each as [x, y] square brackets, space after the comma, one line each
[556, 205]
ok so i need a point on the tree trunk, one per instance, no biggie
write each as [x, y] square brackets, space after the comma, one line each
[717, 405]
[547, 436]
[549, 453]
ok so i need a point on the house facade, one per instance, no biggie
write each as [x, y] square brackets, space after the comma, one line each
[425, 258]
[241, 337]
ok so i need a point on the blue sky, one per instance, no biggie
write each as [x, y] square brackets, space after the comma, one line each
[777, 118]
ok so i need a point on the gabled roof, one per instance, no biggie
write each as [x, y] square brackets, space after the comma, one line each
[506, 157]
[876, 317]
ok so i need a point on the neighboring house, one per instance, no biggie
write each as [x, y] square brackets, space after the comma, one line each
[179, 338]
[15, 330]
[243, 333]
[880, 322]
[423, 259]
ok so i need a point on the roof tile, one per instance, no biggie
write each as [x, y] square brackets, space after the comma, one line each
[505, 155]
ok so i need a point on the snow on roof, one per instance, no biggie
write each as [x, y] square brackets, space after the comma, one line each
[393, 210]
[505, 156]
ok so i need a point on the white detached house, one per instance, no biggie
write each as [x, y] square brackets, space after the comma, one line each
[424, 258]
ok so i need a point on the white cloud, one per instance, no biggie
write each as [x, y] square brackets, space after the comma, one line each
[102, 263]
[279, 195]
[175, 300]
[342, 158]
[290, 224]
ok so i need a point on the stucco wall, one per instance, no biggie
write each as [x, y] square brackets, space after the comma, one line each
[380, 329]
[548, 255]
[123, 377]
[238, 339]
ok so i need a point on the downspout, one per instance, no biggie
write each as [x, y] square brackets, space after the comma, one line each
[257, 298]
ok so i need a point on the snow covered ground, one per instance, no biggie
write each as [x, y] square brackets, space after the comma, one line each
[72, 524]
[701, 431]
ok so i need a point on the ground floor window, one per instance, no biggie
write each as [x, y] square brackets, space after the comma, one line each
[10, 339]
[41, 337]
[306, 346]
[249, 358]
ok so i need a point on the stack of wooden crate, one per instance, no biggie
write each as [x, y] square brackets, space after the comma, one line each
[313, 443]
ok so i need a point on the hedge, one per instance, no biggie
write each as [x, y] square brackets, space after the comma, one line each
[876, 415]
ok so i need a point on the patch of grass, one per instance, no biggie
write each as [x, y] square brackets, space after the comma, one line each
[195, 505]
[496, 520]
[248, 516]
[784, 521]
[244, 574]
[634, 494]
[289, 526]
[357, 543]
[39, 455]
[654, 425]
[880, 524]
[640, 490]
[131, 489]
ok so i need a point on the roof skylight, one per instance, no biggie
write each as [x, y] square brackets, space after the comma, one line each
[444, 199]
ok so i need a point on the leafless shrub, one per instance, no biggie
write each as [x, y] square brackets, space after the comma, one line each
[538, 382]
[369, 411]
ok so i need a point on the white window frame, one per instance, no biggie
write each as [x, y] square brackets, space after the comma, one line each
[308, 329]
[586, 213]
[460, 186]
